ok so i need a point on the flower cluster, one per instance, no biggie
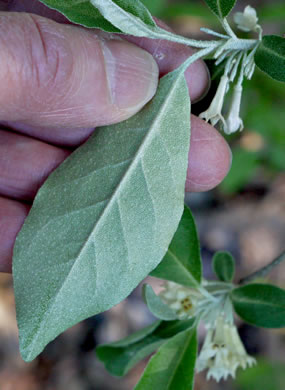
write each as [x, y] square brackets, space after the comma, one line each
[237, 62]
[223, 352]
[183, 300]
[232, 122]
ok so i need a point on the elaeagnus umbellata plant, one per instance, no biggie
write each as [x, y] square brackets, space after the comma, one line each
[81, 251]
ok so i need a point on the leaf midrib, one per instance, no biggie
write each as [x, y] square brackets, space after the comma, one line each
[272, 52]
[144, 144]
[183, 267]
[256, 302]
[186, 346]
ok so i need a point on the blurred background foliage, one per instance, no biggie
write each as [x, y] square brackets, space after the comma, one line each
[258, 152]
[244, 215]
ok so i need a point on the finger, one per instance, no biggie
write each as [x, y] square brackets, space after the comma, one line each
[169, 55]
[209, 157]
[12, 216]
[25, 163]
[53, 74]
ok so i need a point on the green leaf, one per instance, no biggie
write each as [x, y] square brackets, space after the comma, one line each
[119, 16]
[172, 367]
[84, 13]
[129, 23]
[224, 266]
[104, 219]
[270, 56]
[221, 8]
[182, 262]
[121, 356]
[81, 12]
[260, 305]
[155, 304]
[136, 8]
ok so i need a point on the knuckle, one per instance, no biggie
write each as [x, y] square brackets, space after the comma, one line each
[50, 56]
[38, 57]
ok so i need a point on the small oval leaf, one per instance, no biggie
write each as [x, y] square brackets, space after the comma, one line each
[260, 305]
[182, 262]
[155, 304]
[224, 266]
[270, 57]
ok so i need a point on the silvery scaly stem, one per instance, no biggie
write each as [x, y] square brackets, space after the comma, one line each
[250, 72]
[264, 271]
[129, 24]
[222, 57]
[230, 63]
[250, 56]
[228, 29]
[214, 33]
[235, 67]
[193, 58]
[241, 75]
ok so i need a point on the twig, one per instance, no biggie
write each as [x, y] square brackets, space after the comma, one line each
[264, 270]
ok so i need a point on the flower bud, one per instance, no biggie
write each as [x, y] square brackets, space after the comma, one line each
[246, 20]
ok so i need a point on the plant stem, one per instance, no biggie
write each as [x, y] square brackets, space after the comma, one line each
[264, 270]
[227, 28]
[194, 57]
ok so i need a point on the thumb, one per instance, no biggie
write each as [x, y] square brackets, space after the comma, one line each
[61, 75]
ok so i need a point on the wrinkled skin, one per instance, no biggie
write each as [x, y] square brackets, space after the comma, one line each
[54, 92]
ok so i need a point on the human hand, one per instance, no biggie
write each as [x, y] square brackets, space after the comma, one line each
[58, 82]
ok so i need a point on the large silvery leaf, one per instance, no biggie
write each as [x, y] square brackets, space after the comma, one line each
[270, 56]
[221, 8]
[84, 13]
[104, 219]
[182, 261]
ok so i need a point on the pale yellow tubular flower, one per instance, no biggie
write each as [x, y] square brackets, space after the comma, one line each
[181, 299]
[233, 121]
[214, 112]
[246, 20]
[222, 352]
[238, 354]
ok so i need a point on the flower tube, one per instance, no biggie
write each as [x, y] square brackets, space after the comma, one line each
[214, 112]
[223, 352]
[233, 121]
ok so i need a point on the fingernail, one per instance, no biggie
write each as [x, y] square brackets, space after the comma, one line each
[132, 74]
